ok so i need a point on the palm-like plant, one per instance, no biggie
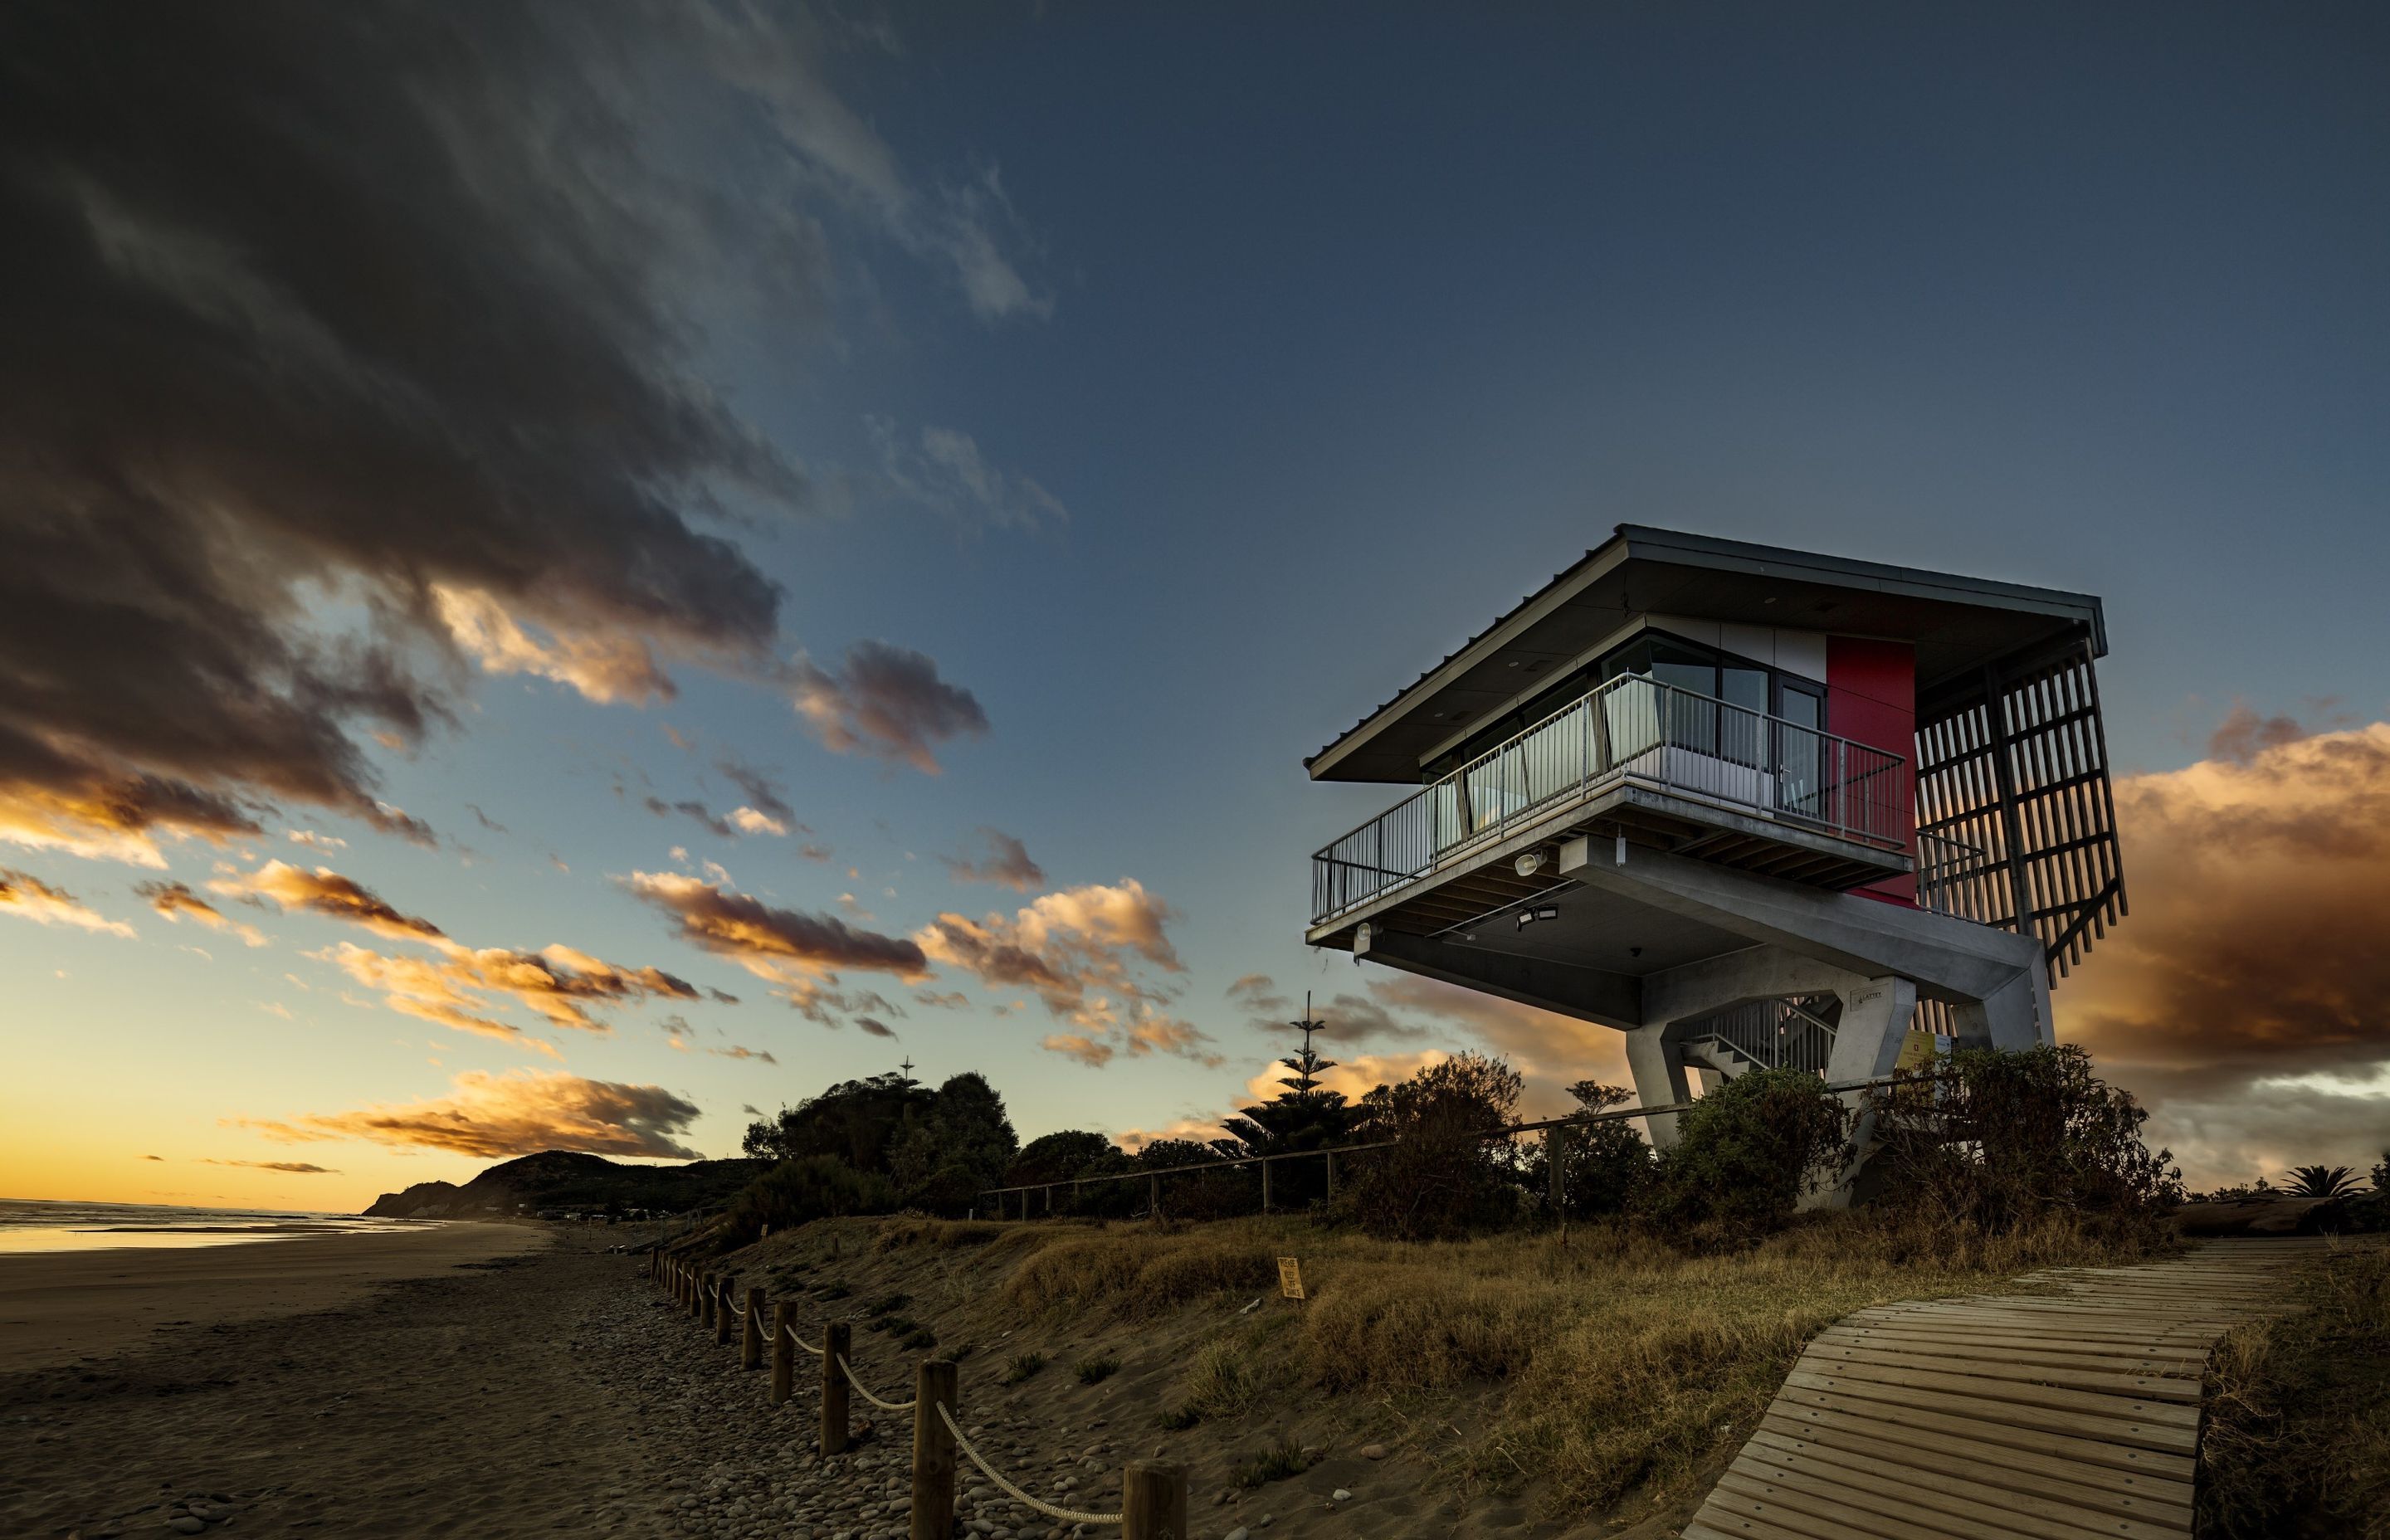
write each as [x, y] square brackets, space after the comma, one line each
[2321, 1182]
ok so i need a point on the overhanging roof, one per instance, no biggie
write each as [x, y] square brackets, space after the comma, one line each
[1956, 622]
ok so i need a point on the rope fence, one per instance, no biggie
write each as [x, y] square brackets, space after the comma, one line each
[1154, 1492]
[1068, 1516]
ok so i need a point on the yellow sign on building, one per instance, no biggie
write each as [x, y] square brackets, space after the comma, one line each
[1916, 1052]
[1290, 1277]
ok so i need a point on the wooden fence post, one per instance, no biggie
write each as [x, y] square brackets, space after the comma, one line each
[837, 1339]
[725, 1301]
[1153, 1501]
[751, 1335]
[1153, 1195]
[1266, 1185]
[784, 1352]
[1556, 1156]
[706, 1290]
[1331, 1173]
[933, 1451]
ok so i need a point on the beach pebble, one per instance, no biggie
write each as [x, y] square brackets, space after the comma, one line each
[1340, 1495]
[1373, 1451]
[1239, 1533]
[186, 1524]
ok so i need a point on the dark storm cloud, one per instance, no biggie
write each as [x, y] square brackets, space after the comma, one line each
[1007, 863]
[361, 309]
[886, 700]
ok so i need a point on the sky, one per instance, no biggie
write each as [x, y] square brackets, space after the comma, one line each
[575, 573]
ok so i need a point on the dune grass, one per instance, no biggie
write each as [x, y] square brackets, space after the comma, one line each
[1627, 1362]
[2298, 1431]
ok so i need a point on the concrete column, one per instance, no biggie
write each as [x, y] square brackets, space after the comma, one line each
[2014, 1018]
[1658, 1067]
[1867, 1044]
[1866, 1040]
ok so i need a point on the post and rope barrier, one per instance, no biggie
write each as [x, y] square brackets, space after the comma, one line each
[1154, 1492]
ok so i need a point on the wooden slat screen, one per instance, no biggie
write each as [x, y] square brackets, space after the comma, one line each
[2016, 820]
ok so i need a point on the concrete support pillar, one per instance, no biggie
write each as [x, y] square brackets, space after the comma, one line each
[1658, 1067]
[1867, 1044]
[2014, 1018]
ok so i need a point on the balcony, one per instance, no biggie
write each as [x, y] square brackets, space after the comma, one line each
[1712, 765]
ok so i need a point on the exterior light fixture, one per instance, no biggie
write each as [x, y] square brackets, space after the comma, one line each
[1529, 917]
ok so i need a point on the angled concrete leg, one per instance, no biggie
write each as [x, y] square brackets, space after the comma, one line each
[1867, 1045]
[2014, 1018]
[1658, 1067]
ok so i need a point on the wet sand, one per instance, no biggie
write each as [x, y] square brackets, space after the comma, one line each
[61, 1307]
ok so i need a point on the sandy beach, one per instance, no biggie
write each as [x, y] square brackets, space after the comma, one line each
[60, 1307]
[423, 1383]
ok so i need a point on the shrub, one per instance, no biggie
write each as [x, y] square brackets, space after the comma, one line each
[1746, 1152]
[1442, 1178]
[1604, 1167]
[795, 1192]
[1022, 1367]
[1101, 1367]
[1177, 1421]
[887, 1305]
[921, 1339]
[1996, 1141]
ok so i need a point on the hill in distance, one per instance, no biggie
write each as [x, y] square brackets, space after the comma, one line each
[561, 1179]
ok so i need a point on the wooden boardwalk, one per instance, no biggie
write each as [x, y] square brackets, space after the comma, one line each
[2066, 1416]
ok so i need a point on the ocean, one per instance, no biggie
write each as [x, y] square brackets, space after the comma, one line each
[29, 1225]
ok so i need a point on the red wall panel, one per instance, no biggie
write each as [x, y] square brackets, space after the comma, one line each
[1872, 698]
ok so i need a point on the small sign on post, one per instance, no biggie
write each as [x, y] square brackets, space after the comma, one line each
[1916, 1053]
[1290, 1279]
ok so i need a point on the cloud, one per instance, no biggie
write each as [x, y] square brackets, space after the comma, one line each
[1257, 993]
[1194, 1129]
[325, 891]
[2242, 997]
[875, 1026]
[520, 1112]
[607, 667]
[748, 820]
[174, 900]
[485, 819]
[1063, 944]
[281, 469]
[773, 943]
[28, 897]
[1007, 864]
[2243, 735]
[950, 1000]
[558, 983]
[943, 470]
[318, 841]
[887, 701]
[818, 1002]
[296, 1168]
[1089, 953]
[696, 810]
[764, 797]
[735, 1051]
[1356, 1077]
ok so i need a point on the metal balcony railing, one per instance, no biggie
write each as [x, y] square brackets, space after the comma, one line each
[1632, 728]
